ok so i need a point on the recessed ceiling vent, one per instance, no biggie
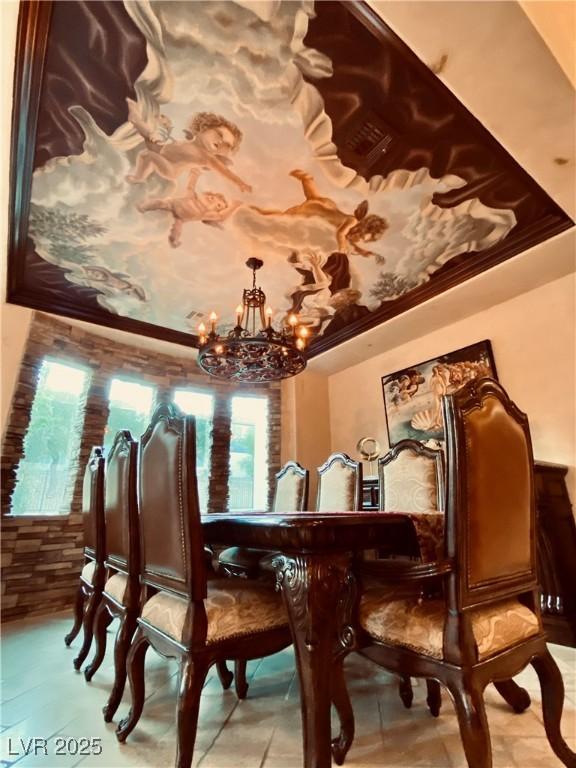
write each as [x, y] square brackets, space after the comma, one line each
[368, 140]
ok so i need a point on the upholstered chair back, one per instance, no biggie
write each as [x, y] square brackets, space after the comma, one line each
[411, 478]
[291, 493]
[93, 506]
[339, 484]
[120, 505]
[490, 514]
[171, 534]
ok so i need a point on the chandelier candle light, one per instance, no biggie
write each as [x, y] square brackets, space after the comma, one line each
[253, 351]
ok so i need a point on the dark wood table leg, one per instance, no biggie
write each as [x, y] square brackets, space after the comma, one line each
[312, 586]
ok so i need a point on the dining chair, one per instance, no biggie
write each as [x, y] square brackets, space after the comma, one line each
[121, 594]
[411, 479]
[486, 626]
[339, 484]
[290, 495]
[92, 576]
[197, 621]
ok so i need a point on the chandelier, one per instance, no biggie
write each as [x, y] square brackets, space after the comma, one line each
[253, 351]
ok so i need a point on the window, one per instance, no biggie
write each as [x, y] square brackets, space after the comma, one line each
[200, 405]
[130, 407]
[249, 453]
[44, 484]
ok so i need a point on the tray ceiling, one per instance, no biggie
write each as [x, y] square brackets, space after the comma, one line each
[166, 143]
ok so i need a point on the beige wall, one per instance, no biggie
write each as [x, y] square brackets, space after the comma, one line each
[533, 340]
[15, 322]
[306, 423]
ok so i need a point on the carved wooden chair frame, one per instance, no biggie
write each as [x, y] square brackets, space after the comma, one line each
[89, 594]
[346, 461]
[118, 562]
[186, 579]
[459, 670]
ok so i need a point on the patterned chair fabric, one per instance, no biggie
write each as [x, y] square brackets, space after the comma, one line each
[339, 484]
[233, 609]
[88, 572]
[291, 492]
[116, 587]
[419, 625]
[411, 478]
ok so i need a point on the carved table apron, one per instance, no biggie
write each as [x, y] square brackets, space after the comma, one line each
[318, 586]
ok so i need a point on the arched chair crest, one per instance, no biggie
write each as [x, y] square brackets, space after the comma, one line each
[339, 484]
[291, 490]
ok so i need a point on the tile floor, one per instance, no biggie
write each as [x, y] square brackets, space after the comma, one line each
[43, 697]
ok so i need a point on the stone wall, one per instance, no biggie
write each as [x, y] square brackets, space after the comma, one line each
[42, 556]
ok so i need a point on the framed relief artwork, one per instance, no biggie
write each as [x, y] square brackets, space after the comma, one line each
[412, 396]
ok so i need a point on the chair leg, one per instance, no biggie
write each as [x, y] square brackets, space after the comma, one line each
[102, 621]
[405, 691]
[433, 697]
[474, 732]
[224, 674]
[518, 698]
[343, 706]
[135, 667]
[88, 624]
[121, 648]
[191, 682]
[78, 615]
[552, 703]
[240, 684]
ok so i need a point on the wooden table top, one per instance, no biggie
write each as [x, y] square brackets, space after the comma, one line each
[309, 531]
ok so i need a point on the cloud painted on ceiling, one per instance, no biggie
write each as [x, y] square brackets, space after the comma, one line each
[227, 153]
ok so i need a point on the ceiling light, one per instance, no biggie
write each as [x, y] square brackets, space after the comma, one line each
[253, 351]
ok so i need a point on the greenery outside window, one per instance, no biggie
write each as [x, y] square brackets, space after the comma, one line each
[130, 406]
[44, 485]
[200, 405]
[248, 484]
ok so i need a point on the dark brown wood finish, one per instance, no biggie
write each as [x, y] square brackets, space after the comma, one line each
[556, 549]
[175, 563]
[395, 87]
[490, 490]
[315, 574]
[94, 552]
[123, 558]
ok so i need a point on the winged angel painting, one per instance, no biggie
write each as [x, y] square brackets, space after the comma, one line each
[227, 152]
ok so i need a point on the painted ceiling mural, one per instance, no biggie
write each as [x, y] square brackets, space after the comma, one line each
[177, 139]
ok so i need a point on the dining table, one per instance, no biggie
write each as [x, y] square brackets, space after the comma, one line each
[315, 570]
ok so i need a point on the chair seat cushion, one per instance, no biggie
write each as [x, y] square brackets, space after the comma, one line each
[116, 587]
[234, 608]
[419, 624]
[88, 572]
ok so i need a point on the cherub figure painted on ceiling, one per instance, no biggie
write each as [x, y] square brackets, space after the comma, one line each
[207, 207]
[351, 228]
[210, 141]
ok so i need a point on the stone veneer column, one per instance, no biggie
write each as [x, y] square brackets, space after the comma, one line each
[220, 461]
[13, 443]
[92, 427]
